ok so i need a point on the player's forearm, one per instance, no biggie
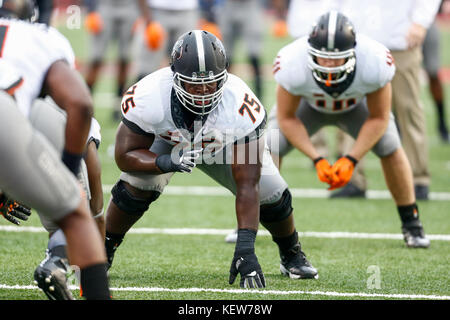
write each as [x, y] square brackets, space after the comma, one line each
[77, 128]
[370, 133]
[247, 207]
[140, 160]
[294, 130]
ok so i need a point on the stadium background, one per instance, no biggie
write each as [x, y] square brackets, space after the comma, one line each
[177, 250]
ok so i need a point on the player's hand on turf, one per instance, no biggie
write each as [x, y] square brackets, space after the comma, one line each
[11, 210]
[343, 169]
[324, 171]
[248, 266]
[185, 163]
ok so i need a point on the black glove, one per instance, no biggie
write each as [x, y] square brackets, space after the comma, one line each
[185, 163]
[11, 210]
[246, 263]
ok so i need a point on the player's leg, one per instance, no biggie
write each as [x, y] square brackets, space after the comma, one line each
[432, 64]
[130, 198]
[33, 173]
[48, 119]
[397, 172]
[276, 215]
[253, 35]
[399, 179]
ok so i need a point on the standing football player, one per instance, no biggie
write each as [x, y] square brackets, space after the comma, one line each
[336, 77]
[194, 113]
[32, 172]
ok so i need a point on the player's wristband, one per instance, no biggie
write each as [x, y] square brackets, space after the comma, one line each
[72, 161]
[352, 159]
[317, 160]
[245, 241]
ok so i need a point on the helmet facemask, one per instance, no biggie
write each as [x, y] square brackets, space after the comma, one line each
[331, 75]
[199, 103]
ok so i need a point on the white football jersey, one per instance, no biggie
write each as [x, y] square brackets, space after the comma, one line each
[374, 69]
[32, 49]
[147, 107]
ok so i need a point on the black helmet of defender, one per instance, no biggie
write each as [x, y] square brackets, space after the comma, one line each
[20, 9]
[332, 37]
[198, 58]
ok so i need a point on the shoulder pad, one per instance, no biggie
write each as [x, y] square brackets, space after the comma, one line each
[146, 103]
[240, 110]
[375, 62]
[290, 66]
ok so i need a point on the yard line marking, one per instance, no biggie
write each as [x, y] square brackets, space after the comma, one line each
[218, 232]
[260, 291]
[296, 192]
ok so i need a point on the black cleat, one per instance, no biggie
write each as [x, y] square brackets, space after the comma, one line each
[414, 235]
[51, 276]
[295, 266]
[349, 191]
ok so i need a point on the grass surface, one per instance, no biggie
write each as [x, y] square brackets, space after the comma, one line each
[202, 261]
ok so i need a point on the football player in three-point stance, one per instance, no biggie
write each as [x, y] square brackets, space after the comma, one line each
[194, 113]
[336, 77]
[32, 171]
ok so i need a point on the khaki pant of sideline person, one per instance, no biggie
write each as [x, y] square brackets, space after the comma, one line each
[409, 112]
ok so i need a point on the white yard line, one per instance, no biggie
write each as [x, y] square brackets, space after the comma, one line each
[296, 192]
[222, 232]
[260, 292]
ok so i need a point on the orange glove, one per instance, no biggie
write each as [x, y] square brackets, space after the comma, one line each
[324, 171]
[93, 23]
[279, 29]
[211, 27]
[154, 35]
[343, 168]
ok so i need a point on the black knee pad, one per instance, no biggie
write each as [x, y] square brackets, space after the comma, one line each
[278, 211]
[128, 203]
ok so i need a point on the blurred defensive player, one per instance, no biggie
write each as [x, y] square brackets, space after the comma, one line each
[32, 171]
[336, 77]
[50, 120]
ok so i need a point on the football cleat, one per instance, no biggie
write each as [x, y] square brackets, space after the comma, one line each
[295, 265]
[231, 237]
[349, 191]
[51, 276]
[414, 235]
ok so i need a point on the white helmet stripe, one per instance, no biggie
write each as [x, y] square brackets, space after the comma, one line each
[332, 21]
[200, 50]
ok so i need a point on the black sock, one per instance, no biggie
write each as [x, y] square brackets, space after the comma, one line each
[112, 241]
[94, 282]
[408, 213]
[286, 243]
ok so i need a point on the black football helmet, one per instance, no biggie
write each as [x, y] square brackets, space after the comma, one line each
[198, 58]
[21, 9]
[332, 37]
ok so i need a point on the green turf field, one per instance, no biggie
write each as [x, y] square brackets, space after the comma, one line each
[151, 264]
